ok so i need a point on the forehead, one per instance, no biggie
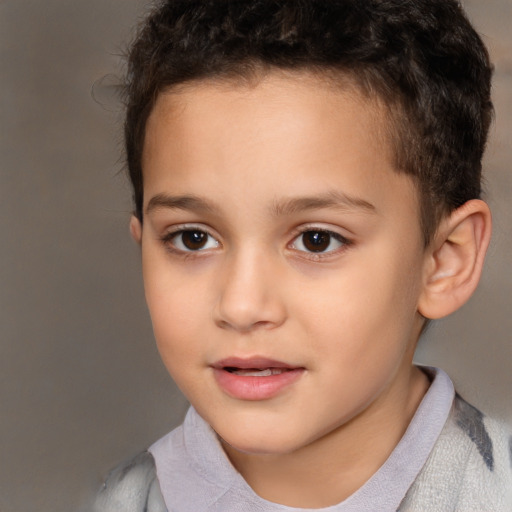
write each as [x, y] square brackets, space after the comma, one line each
[286, 132]
[293, 99]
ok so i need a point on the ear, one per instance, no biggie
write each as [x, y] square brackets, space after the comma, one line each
[136, 229]
[454, 260]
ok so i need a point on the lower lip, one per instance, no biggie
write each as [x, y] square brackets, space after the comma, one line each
[255, 388]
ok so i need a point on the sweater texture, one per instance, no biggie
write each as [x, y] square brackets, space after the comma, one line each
[452, 458]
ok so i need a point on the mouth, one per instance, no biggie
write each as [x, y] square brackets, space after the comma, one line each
[256, 372]
[255, 378]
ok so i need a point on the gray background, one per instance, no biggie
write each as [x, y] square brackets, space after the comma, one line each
[81, 385]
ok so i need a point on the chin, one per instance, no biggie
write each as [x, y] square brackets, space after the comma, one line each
[258, 429]
[260, 443]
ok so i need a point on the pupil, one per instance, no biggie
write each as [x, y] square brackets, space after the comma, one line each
[193, 240]
[316, 241]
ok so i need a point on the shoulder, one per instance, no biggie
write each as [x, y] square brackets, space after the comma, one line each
[131, 487]
[489, 445]
[491, 439]
[470, 467]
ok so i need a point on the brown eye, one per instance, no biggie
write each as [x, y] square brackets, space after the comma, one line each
[316, 241]
[194, 240]
[319, 241]
[188, 240]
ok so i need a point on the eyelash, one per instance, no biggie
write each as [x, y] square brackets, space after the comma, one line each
[344, 242]
[168, 238]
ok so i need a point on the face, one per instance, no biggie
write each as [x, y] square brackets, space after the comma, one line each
[282, 258]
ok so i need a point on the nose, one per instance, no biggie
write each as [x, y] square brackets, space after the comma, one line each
[249, 294]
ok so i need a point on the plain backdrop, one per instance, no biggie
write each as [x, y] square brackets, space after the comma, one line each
[81, 385]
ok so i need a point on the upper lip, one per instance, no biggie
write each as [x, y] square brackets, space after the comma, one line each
[251, 362]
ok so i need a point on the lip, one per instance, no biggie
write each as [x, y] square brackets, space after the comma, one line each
[245, 387]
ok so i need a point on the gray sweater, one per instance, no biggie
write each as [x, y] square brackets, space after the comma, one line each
[451, 459]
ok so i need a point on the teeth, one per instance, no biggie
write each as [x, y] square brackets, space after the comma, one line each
[252, 372]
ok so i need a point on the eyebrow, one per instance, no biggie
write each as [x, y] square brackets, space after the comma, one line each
[189, 202]
[332, 200]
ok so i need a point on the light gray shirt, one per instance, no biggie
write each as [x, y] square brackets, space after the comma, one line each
[452, 458]
[192, 455]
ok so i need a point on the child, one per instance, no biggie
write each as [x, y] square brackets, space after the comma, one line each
[306, 180]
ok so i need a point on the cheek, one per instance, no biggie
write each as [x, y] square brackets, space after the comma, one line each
[370, 305]
[176, 313]
[178, 338]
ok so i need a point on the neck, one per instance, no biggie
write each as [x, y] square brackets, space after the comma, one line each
[330, 469]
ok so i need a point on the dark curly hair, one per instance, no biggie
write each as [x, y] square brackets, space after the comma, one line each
[422, 58]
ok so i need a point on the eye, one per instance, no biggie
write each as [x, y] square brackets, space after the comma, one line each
[190, 240]
[319, 241]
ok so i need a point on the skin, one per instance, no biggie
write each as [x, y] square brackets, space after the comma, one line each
[349, 316]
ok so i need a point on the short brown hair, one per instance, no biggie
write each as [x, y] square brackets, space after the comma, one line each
[421, 57]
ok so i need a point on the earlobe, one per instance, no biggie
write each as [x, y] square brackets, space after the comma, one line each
[454, 263]
[136, 229]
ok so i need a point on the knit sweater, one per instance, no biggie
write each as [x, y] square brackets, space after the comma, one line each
[452, 458]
